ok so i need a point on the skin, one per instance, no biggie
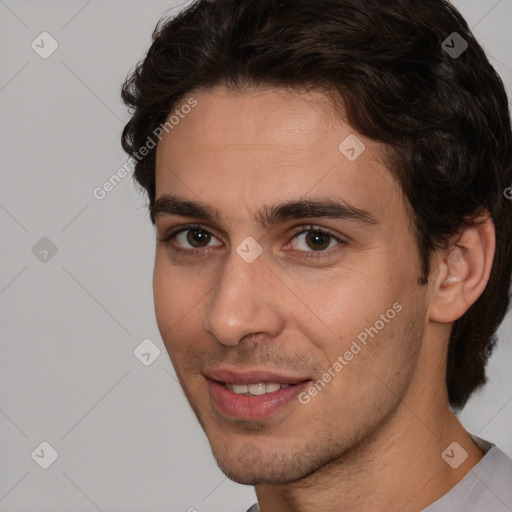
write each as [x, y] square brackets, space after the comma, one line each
[372, 438]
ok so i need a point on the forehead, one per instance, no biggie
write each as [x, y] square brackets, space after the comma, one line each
[257, 119]
[246, 147]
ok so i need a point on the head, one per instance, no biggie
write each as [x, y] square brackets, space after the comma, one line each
[337, 164]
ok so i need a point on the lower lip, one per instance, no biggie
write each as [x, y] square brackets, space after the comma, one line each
[252, 407]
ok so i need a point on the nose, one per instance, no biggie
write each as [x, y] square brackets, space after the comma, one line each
[245, 301]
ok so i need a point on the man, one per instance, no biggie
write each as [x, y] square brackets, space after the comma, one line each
[334, 248]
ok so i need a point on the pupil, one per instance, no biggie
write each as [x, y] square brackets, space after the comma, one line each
[197, 236]
[314, 237]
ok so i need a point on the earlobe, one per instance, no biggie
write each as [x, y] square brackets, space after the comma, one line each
[463, 273]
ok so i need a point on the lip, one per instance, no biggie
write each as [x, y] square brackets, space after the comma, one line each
[246, 376]
[242, 407]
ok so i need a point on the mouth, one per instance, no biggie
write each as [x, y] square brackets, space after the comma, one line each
[252, 395]
[261, 388]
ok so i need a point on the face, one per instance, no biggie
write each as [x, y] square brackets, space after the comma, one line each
[295, 330]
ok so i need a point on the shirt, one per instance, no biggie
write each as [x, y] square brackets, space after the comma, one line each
[487, 486]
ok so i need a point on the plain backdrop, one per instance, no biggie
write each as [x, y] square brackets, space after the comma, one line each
[75, 280]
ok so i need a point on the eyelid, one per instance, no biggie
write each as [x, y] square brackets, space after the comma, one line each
[186, 227]
[313, 227]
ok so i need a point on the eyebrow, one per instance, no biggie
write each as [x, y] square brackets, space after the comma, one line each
[269, 215]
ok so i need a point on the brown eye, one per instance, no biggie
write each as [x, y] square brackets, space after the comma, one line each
[198, 238]
[316, 240]
[189, 239]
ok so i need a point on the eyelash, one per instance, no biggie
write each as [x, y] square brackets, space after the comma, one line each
[198, 252]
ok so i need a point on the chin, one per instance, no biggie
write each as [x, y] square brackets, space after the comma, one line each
[250, 467]
[257, 476]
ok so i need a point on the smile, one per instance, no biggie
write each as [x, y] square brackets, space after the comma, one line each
[261, 388]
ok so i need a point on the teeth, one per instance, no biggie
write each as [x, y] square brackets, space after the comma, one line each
[257, 389]
[272, 386]
[239, 388]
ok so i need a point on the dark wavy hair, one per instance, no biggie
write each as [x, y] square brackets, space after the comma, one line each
[444, 118]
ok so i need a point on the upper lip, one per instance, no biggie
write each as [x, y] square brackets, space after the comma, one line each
[246, 376]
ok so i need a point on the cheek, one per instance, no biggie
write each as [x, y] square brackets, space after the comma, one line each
[163, 295]
[339, 306]
[358, 326]
[368, 379]
[174, 299]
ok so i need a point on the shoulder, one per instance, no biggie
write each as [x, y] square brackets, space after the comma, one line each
[492, 487]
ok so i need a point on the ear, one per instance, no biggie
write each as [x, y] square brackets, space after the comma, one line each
[463, 271]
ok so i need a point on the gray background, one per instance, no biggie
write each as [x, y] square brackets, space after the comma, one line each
[125, 436]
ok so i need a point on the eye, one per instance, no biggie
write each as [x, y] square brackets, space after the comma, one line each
[315, 239]
[189, 239]
[196, 236]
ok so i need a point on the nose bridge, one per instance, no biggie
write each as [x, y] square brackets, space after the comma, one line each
[242, 302]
